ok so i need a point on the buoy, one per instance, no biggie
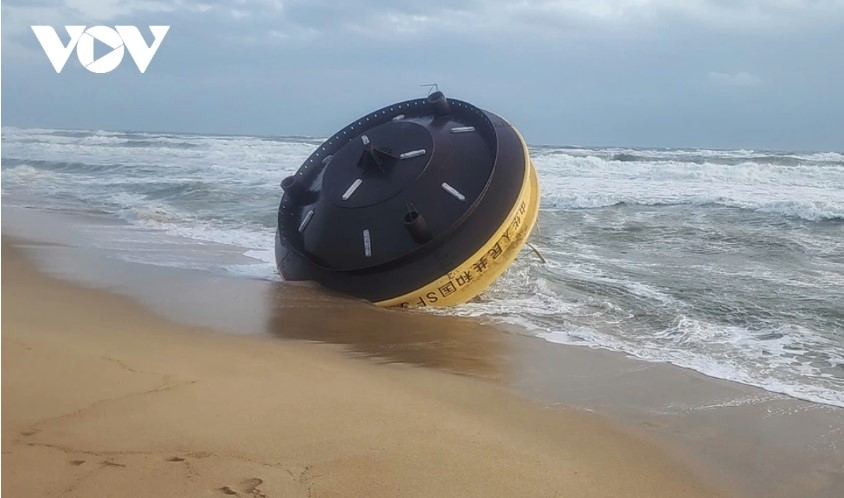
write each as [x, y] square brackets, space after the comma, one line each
[421, 203]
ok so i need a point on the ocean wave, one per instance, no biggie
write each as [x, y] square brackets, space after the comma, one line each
[806, 210]
[140, 211]
[775, 360]
[590, 166]
[727, 160]
[812, 192]
[778, 357]
[691, 155]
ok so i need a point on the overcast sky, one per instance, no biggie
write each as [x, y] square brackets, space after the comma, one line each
[673, 73]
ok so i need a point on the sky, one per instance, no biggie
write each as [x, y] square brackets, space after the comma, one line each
[752, 74]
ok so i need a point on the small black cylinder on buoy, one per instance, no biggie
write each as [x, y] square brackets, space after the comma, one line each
[294, 188]
[440, 103]
[418, 227]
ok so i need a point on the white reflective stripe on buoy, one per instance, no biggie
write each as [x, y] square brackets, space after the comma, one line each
[453, 191]
[305, 222]
[364, 139]
[351, 190]
[367, 244]
[413, 153]
[327, 159]
[463, 129]
[400, 116]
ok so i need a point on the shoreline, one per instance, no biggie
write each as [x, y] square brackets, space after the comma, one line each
[741, 438]
[102, 396]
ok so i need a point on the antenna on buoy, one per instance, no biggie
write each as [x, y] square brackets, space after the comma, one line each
[432, 87]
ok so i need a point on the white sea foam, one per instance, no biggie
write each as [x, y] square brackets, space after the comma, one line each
[263, 271]
[752, 365]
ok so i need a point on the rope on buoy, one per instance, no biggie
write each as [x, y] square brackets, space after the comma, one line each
[535, 250]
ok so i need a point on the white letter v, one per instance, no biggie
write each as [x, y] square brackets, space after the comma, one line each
[56, 51]
[138, 49]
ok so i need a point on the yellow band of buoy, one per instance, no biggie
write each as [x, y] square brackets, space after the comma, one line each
[474, 275]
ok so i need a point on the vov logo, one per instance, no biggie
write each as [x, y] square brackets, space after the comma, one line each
[119, 39]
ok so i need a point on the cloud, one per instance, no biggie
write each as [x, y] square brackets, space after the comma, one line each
[739, 80]
[483, 20]
[18, 15]
[560, 16]
[104, 10]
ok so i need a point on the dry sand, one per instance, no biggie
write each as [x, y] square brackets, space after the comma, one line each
[103, 398]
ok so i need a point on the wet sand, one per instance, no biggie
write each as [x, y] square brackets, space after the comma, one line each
[102, 397]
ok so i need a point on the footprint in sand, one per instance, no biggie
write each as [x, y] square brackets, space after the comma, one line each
[249, 486]
[175, 459]
[76, 463]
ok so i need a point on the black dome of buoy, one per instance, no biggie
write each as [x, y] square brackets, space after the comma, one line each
[424, 202]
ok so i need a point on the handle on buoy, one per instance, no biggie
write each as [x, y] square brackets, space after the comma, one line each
[418, 227]
[293, 188]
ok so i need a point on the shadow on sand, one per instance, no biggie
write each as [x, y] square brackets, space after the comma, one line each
[457, 345]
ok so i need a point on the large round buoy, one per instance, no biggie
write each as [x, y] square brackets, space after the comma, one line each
[420, 203]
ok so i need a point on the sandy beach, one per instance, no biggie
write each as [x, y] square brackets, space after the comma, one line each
[101, 397]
